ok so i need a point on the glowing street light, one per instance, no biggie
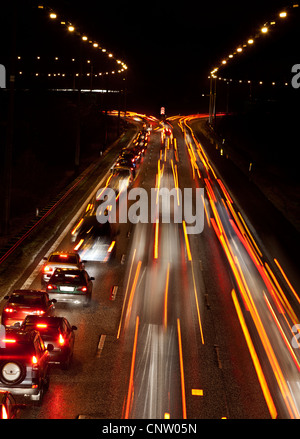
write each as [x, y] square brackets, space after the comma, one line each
[239, 49]
[53, 15]
[71, 28]
[282, 14]
[264, 29]
[84, 38]
[251, 41]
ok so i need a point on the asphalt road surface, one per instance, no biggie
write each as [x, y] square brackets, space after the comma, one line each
[181, 326]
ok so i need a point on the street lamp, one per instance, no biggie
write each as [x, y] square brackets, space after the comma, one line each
[264, 29]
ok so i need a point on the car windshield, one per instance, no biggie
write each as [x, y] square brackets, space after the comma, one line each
[70, 259]
[76, 278]
[27, 299]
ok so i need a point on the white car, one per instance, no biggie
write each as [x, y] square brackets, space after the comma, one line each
[60, 260]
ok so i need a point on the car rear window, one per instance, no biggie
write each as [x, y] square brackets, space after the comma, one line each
[69, 278]
[26, 299]
[69, 259]
[42, 328]
[19, 349]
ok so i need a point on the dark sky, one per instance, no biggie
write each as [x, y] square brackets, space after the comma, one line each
[169, 47]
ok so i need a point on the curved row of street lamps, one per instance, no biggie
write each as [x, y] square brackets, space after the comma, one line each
[262, 31]
[71, 28]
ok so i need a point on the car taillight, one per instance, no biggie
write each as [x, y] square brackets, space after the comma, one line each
[39, 312]
[9, 310]
[48, 269]
[4, 413]
[34, 359]
[51, 287]
[8, 340]
[61, 340]
[84, 289]
[41, 325]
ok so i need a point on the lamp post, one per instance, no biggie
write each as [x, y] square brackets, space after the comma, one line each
[10, 122]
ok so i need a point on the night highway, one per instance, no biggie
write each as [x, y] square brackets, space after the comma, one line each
[186, 231]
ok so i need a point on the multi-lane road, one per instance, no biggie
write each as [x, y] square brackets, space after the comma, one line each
[181, 325]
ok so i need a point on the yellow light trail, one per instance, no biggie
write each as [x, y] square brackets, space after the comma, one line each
[286, 279]
[205, 210]
[186, 241]
[197, 306]
[130, 386]
[166, 298]
[126, 292]
[181, 371]
[258, 369]
[156, 239]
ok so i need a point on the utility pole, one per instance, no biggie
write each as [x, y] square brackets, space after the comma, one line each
[10, 122]
[215, 101]
[211, 98]
[78, 127]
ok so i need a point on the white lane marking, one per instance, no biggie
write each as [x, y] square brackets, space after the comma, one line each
[100, 345]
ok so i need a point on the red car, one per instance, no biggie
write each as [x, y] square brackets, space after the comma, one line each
[23, 302]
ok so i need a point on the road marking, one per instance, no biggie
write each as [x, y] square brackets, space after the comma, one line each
[197, 392]
[100, 345]
[113, 292]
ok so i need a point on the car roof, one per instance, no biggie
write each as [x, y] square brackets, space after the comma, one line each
[20, 335]
[53, 320]
[69, 270]
[31, 292]
[64, 252]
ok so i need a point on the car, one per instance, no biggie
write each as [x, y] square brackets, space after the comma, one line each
[59, 259]
[23, 302]
[124, 162]
[8, 406]
[70, 286]
[95, 241]
[56, 331]
[24, 364]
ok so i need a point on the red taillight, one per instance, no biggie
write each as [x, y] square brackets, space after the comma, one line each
[4, 413]
[34, 359]
[39, 312]
[41, 325]
[84, 289]
[51, 287]
[61, 340]
[9, 310]
[8, 340]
